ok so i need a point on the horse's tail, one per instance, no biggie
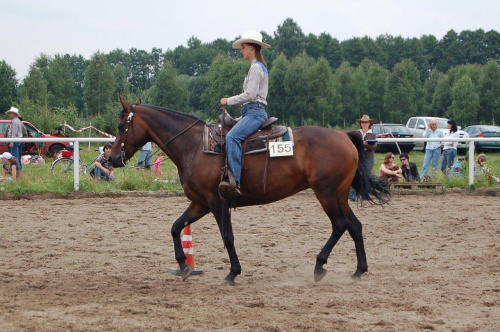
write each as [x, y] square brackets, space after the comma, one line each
[367, 187]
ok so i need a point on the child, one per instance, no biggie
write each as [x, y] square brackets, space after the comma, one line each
[9, 166]
[157, 166]
[456, 170]
[481, 167]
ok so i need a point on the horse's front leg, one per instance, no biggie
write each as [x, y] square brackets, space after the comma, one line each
[192, 213]
[221, 214]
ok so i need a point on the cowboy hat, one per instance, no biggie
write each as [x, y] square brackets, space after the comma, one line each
[13, 110]
[251, 37]
[366, 118]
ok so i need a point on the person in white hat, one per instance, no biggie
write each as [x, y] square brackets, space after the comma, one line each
[15, 131]
[9, 166]
[253, 101]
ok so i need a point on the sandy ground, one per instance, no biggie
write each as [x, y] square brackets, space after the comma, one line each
[99, 264]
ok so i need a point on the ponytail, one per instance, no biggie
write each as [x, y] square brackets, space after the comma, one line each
[258, 54]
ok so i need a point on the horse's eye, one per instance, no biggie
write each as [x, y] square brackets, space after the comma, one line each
[120, 127]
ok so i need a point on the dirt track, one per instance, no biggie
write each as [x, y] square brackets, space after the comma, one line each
[434, 264]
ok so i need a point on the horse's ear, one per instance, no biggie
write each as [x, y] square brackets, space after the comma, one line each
[140, 101]
[124, 103]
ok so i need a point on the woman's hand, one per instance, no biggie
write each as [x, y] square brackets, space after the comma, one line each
[223, 101]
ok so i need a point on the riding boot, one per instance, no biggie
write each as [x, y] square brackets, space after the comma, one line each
[228, 191]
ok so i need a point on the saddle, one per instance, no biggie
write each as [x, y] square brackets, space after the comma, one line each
[256, 142]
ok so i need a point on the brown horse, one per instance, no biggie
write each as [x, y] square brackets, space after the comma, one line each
[326, 160]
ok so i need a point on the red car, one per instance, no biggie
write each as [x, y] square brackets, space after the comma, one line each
[46, 149]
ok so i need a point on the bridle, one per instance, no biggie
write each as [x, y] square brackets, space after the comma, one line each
[125, 136]
[127, 127]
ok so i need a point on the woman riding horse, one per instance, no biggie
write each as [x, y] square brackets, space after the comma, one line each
[326, 160]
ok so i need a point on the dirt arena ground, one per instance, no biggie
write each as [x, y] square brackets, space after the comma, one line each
[99, 264]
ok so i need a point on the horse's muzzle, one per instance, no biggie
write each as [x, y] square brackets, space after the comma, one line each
[116, 162]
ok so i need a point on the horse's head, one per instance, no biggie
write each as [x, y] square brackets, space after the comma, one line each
[130, 136]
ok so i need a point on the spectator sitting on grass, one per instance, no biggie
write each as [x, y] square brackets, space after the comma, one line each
[103, 167]
[9, 166]
[456, 170]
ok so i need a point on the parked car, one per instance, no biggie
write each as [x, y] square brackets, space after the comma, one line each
[484, 131]
[46, 149]
[418, 124]
[391, 130]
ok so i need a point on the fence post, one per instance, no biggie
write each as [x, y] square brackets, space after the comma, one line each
[76, 165]
[471, 163]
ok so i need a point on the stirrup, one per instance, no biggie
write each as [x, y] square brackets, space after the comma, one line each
[228, 191]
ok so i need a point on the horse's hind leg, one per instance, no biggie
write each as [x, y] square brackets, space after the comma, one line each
[355, 229]
[192, 213]
[339, 226]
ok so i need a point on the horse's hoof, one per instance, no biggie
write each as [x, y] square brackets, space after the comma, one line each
[357, 275]
[319, 273]
[186, 272]
[228, 282]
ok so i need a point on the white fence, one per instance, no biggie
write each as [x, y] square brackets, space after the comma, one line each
[76, 147]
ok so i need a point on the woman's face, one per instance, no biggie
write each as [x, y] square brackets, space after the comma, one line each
[365, 125]
[247, 51]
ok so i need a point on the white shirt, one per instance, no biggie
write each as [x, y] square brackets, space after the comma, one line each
[451, 145]
[255, 87]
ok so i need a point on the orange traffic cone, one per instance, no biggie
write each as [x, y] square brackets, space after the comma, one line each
[187, 245]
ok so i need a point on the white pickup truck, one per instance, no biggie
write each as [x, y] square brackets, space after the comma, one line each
[418, 124]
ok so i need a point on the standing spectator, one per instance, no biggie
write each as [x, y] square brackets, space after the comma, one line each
[103, 166]
[15, 131]
[432, 149]
[409, 169]
[145, 157]
[450, 148]
[389, 169]
[157, 166]
[365, 125]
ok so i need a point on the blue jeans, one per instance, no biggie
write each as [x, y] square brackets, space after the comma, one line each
[99, 173]
[253, 115]
[16, 152]
[145, 159]
[448, 159]
[430, 154]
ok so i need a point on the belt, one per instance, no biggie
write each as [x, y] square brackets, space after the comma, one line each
[254, 104]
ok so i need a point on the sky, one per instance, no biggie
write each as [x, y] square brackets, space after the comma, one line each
[31, 27]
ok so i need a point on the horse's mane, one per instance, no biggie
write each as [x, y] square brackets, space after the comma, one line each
[174, 112]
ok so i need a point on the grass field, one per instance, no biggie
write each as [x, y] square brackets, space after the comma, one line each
[37, 178]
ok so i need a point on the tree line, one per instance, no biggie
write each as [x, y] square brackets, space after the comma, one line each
[313, 79]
